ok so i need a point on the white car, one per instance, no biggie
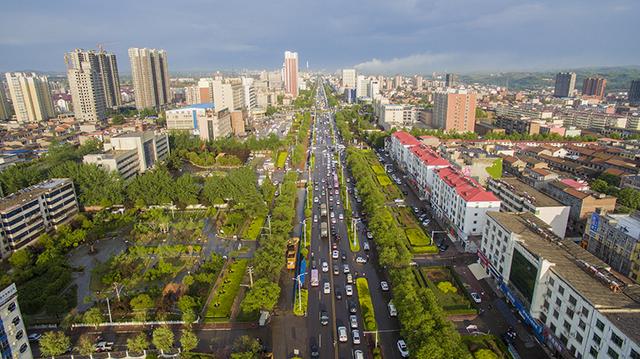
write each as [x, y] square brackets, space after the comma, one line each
[315, 218]
[353, 321]
[325, 267]
[333, 220]
[336, 192]
[384, 286]
[369, 235]
[342, 334]
[315, 199]
[340, 216]
[348, 289]
[361, 260]
[358, 354]
[335, 254]
[332, 215]
[326, 288]
[345, 269]
[476, 297]
[349, 279]
[402, 348]
[356, 336]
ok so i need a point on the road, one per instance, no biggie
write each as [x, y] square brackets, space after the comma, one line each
[325, 337]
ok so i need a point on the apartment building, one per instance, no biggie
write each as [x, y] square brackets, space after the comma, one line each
[125, 162]
[14, 342]
[290, 73]
[203, 120]
[614, 238]
[150, 75]
[32, 211]
[565, 84]
[570, 298]
[349, 78]
[515, 112]
[151, 147]
[462, 203]
[592, 120]
[398, 116]
[582, 204]
[31, 96]
[86, 86]
[454, 110]
[5, 110]
[517, 196]
[522, 125]
[594, 86]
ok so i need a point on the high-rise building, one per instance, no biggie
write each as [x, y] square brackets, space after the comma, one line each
[250, 97]
[634, 92]
[418, 81]
[205, 90]
[397, 81]
[150, 74]
[106, 65]
[594, 86]
[451, 80]
[222, 95]
[31, 96]
[349, 78]
[5, 111]
[14, 342]
[565, 84]
[86, 86]
[290, 73]
[373, 90]
[454, 110]
[362, 86]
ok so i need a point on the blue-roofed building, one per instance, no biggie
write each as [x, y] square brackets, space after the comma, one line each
[201, 120]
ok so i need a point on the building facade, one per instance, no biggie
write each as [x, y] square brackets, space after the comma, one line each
[204, 120]
[565, 84]
[31, 96]
[634, 92]
[32, 211]
[125, 162]
[14, 342]
[594, 86]
[454, 110]
[349, 78]
[151, 147]
[290, 73]
[451, 80]
[150, 75]
[86, 86]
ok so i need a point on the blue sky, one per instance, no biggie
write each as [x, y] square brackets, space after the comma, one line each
[386, 36]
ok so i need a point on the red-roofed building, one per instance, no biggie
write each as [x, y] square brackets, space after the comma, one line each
[399, 147]
[463, 203]
[422, 165]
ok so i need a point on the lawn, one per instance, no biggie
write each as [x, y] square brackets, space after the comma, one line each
[252, 231]
[449, 293]
[282, 159]
[220, 307]
[383, 180]
[477, 344]
[366, 305]
[298, 309]
[419, 241]
[378, 169]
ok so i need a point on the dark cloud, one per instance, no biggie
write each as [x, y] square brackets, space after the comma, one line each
[376, 35]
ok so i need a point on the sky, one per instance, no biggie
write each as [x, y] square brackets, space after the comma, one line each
[374, 36]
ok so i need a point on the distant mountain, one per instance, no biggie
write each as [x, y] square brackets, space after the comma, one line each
[618, 78]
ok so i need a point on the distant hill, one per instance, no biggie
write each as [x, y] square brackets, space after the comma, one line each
[618, 78]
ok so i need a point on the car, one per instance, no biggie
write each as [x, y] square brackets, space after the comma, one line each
[353, 321]
[476, 297]
[352, 307]
[340, 216]
[327, 288]
[335, 254]
[361, 260]
[344, 256]
[34, 337]
[334, 246]
[365, 245]
[336, 270]
[369, 235]
[358, 354]
[349, 278]
[324, 317]
[402, 348]
[415, 209]
[330, 198]
[342, 333]
[348, 289]
[315, 218]
[338, 201]
[315, 199]
[355, 334]
[345, 269]
[332, 214]
[103, 346]
[384, 286]
[325, 266]
[444, 247]
[333, 220]
[315, 353]
[338, 294]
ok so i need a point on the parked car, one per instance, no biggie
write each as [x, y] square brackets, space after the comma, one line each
[402, 348]
[103, 346]
[476, 297]
[34, 337]
[384, 286]
[342, 334]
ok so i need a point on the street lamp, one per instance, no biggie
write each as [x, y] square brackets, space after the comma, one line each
[304, 231]
[354, 229]
[297, 278]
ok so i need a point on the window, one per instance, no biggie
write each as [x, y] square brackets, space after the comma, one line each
[570, 313]
[616, 339]
[16, 321]
[593, 352]
[23, 348]
[561, 290]
[581, 325]
[599, 325]
[572, 300]
[555, 314]
[596, 339]
[579, 338]
[545, 305]
[19, 334]
[543, 317]
[551, 281]
[634, 354]
[585, 311]
[553, 328]
[612, 353]
[549, 294]
[566, 325]
[12, 307]
[558, 302]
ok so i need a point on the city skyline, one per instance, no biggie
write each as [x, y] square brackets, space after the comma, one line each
[399, 37]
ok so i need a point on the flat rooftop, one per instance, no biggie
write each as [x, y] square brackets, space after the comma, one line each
[630, 223]
[539, 199]
[622, 308]
[28, 194]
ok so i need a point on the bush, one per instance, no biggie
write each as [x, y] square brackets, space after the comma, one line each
[364, 296]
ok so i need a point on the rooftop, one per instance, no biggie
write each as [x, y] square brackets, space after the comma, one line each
[468, 188]
[406, 138]
[199, 105]
[536, 197]
[428, 156]
[578, 268]
[630, 224]
[28, 194]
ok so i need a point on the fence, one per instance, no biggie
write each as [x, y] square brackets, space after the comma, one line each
[118, 324]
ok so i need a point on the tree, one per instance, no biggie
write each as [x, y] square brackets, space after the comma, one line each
[188, 340]
[245, 347]
[93, 316]
[54, 343]
[262, 296]
[163, 338]
[629, 197]
[600, 186]
[140, 305]
[138, 344]
[85, 346]
[485, 354]
[186, 190]
[118, 120]
[186, 305]
[55, 305]
[21, 259]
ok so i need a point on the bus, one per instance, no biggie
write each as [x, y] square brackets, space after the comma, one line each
[335, 181]
[314, 277]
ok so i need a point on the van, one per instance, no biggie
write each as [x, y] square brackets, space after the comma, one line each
[392, 309]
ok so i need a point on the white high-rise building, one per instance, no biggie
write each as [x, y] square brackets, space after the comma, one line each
[362, 86]
[86, 86]
[250, 98]
[222, 95]
[373, 90]
[14, 342]
[150, 74]
[349, 78]
[31, 96]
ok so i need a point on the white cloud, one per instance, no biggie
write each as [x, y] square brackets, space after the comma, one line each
[412, 63]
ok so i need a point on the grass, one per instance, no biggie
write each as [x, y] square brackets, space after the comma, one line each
[378, 169]
[417, 237]
[253, 230]
[453, 301]
[490, 342]
[364, 297]
[282, 159]
[383, 180]
[220, 307]
[298, 309]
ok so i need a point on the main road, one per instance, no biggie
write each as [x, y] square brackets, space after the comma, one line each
[325, 337]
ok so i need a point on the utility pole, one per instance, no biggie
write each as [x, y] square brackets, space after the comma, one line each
[109, 310]
[250, 270]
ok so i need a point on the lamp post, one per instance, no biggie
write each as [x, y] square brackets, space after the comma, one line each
[297, 278]
[304, 231]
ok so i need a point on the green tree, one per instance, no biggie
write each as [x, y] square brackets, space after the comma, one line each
[485, 354]
[138, 344]
[629, 197]
[186, 190]
[188, 340]
[94, 185]
[600, 186]
[93, 316]
[85, 346]
[140, 305]
[245, 347]
[118, 120]
[262, 296]
[56, 305]
[21, 259]
[54, 343]
[186, 304]
[163, 338]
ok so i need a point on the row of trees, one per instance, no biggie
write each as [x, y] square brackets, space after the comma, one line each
[429, 334]
[628, 198]
[299, 153]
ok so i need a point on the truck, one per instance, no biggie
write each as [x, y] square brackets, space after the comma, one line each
[292, 250]
[324, 232]
[323, 209]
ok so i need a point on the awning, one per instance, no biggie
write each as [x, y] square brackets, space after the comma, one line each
[478, 271]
